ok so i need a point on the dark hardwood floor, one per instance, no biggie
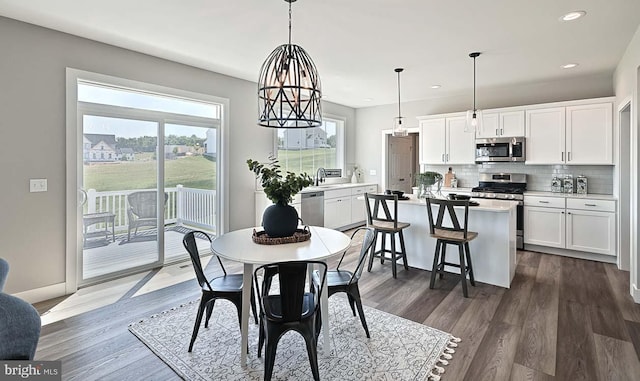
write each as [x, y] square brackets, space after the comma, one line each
[562, 319]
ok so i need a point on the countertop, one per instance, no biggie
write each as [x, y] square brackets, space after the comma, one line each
[572, 195]
[486, 205]
[328, 187]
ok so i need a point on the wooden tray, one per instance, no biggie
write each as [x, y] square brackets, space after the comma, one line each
[262, 238]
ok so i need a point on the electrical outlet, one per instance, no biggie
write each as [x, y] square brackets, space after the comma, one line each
[37, 185]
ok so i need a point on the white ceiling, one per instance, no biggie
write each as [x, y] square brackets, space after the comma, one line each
[356, 44]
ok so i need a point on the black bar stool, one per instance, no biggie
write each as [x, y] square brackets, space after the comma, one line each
[384, 222]
[451, 235]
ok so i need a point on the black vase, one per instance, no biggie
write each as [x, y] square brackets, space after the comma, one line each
[280, 220]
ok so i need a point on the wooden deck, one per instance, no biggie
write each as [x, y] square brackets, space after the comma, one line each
[102, 256]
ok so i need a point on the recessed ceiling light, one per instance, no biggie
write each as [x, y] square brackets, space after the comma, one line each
[436, 86]
[368, 99]
[569, 66]
[573, 15]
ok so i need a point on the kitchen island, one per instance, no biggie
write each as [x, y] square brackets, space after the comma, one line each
[493, 252]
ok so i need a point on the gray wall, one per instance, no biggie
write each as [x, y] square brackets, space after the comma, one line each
[32, 106]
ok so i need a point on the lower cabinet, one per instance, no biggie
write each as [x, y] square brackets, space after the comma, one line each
[594, 232]
[544, 226]
[587, 225]
[337, 212]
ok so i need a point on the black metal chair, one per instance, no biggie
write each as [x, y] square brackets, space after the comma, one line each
[346, 281]
[227, 286]
[293, 308]
[385, 222]
[455, 234]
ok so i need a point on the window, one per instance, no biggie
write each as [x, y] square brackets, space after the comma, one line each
[307, 149]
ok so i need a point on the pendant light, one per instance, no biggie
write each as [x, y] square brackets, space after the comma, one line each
[474, 116]
[399, 128]
[289, 88]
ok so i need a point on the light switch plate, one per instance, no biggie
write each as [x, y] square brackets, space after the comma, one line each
[37, 185]
[372, 172]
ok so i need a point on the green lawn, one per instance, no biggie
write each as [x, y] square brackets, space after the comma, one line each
[308, 160]
[192, 172]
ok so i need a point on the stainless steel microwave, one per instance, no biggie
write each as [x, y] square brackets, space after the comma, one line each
[500, 149]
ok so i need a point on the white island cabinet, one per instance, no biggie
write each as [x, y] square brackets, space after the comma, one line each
[493, 252]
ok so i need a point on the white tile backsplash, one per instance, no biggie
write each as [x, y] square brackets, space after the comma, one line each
[599, 177]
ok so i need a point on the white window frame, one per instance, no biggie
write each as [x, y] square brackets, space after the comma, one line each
[74, 158]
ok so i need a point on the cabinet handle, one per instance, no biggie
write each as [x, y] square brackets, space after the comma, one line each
[443, 158]
[562, 156]
[568, 212]
[543, 202]
[497, 133]
[447, 157]
[569, 156]
[562, 212]
[590, 205]
[502, 131]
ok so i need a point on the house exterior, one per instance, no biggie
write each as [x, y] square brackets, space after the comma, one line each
[98, 148]
[304, 138]
[125, 154]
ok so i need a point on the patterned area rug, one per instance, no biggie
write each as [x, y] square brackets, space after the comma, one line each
[398, 349]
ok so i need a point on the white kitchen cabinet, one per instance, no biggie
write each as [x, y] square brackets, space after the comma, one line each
[358, 209]
[544, 226]
[581, 224]
[337, 208]
[589, 135]
[445, 141]
[545, 133]
[502, 124]
[581, 134]
[589, 231]
[432, 141]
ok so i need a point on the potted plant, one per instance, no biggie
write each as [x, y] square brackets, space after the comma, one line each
[426, 180]
[279, 219]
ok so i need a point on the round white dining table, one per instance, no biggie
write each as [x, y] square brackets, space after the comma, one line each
[238, 246]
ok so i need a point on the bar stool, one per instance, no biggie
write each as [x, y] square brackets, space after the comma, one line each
[451, 235]
[386, 223]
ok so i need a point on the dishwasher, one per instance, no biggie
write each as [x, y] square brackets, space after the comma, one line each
[312, 208]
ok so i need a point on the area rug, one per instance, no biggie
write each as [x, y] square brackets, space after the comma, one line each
[398, 349]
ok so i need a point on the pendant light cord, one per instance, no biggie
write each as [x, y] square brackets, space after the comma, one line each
[474, 84]
[290, 26]
[399, 114]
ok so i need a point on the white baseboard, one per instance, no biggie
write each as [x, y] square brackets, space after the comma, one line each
[43, 293]
[635, 293]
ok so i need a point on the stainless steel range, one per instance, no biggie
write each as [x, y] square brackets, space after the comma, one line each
[505, 186]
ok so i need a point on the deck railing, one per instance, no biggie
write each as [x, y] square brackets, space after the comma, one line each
[185, 206]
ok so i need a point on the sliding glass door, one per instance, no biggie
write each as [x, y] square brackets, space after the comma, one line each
[148, 175]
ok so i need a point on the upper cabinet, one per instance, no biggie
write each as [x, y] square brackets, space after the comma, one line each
[545, 135]
[590, 134]
[581, 134]
[445, 141]
[502, 124]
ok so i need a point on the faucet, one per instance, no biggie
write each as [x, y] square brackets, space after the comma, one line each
[320, 172]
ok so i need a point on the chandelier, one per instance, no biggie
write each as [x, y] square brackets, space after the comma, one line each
[289, 90]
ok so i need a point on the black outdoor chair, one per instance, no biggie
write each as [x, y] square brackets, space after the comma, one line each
[346, 281]
[293, 308]
[142, 210]
[228, 286]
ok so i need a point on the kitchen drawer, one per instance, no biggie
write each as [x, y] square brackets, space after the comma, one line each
[547, 202]
[591, 204]
[360, 191]
[336, 193]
